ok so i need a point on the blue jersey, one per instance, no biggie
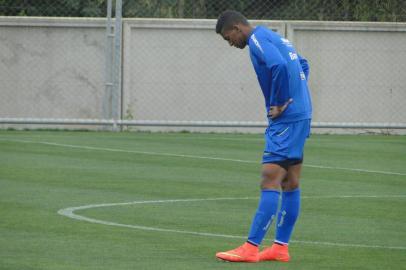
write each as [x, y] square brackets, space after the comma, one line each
[282, 74]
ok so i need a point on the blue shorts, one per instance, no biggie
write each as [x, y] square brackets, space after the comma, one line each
[285, 141]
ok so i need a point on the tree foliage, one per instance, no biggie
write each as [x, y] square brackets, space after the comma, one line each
[336, 10]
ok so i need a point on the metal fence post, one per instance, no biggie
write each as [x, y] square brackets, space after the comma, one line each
[107, 100]
[116, 97]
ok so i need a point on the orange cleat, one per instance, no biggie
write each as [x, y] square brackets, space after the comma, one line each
[275, 253]
[245, 253]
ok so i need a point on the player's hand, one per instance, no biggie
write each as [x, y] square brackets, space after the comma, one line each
[276, 111]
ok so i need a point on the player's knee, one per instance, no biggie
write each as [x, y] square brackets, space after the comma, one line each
[269, 180]
[284, 184]
[290, 184]
[267, 184]
[266, 175]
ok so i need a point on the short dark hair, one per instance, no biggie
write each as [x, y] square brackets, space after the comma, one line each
[228, 19]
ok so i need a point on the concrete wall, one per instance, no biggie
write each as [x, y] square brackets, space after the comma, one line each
[182, 70]
[357, 69]
[52, 68]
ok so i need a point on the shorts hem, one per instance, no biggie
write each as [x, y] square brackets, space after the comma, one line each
[285, 163]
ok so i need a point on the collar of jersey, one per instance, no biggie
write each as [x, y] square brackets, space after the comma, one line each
[253, 32]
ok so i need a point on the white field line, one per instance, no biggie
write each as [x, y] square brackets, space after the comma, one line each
[69, 212]
[193, 156]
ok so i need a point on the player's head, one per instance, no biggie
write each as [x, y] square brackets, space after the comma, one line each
[234, 28]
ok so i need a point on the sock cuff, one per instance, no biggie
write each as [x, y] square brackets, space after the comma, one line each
[270, 190]
[280, 243]
[291, 194]
[252, 243]
[291, 191]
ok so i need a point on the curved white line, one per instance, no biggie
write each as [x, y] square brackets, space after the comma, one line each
[193, 156]
[69, 212]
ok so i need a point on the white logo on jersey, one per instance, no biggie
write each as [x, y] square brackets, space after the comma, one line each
[302, 76]
[256, 43]
[286, 42]
[292, 55]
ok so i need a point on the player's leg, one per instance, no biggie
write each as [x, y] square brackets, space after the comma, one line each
[272, 176]
[274, 170]
[292, 180]
[290, 206]
[287, 216]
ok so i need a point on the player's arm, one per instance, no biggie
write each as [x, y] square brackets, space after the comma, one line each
[305, 66]
[280, 98]
[270, 55]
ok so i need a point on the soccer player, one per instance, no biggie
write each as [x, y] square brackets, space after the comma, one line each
[282, 76]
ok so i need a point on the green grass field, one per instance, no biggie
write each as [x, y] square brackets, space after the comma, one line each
[353, 208]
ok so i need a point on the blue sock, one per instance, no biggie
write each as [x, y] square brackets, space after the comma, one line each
[287, 215]
[266, 212]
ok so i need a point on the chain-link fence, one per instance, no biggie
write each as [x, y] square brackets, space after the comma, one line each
[320, 10]
[52, 68]
[192, 75]
[179, 72]
[59, 70]
[53, 8]
[331, 10]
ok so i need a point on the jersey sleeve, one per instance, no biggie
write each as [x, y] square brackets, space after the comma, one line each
[305, 66]
[268, 54]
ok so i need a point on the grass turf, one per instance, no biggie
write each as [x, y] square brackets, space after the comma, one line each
[38, 179]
